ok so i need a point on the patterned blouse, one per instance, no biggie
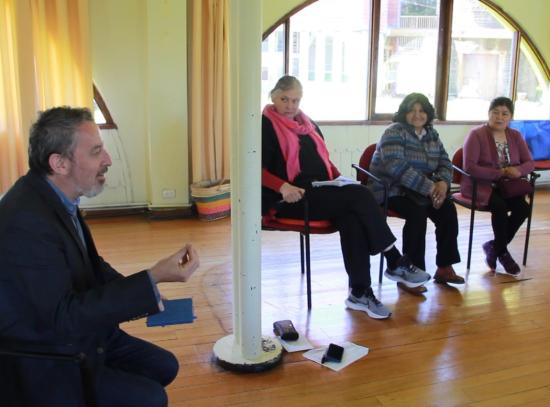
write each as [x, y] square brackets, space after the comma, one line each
[503, 154]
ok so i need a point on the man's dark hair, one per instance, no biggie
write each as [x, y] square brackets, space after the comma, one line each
[407, 105]
[54, 133]
[502, 101]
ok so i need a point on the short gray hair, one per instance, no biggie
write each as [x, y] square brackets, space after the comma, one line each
[285, 83]
[54, 133]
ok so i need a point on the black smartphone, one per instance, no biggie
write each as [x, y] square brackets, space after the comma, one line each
[333, 353]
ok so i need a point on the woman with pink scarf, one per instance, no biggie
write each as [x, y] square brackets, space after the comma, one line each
[294, 155]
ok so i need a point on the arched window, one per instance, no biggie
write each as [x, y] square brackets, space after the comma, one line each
[102, 116]
[357, 59]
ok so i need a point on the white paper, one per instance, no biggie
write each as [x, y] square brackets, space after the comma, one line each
[337, 182]
[352, 352]
[295, 346]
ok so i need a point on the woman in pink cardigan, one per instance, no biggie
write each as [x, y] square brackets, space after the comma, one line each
[491, 152]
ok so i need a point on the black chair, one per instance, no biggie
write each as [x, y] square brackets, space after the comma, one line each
[80, 359]
[363, 175]
[470, 203]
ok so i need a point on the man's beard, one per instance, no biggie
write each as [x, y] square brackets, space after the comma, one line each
[94, 191]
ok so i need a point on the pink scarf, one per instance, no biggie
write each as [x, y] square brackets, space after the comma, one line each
[287, 131]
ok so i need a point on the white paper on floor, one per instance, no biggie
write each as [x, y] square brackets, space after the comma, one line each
[352, 352]
[295, 346]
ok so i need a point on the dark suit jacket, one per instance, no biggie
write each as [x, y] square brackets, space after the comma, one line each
[56, 296]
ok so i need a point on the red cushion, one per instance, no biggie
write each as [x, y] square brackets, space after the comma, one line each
[542, 165]
[297, 225]
[467, 202]
[300, 222]
[393, 214]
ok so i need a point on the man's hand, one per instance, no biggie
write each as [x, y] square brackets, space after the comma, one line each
[291, 193]
[177, 267]
[438, 193]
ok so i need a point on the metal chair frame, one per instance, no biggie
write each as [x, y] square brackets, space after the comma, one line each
[305, 231]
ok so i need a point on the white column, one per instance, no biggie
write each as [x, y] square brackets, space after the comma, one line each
[246, 349]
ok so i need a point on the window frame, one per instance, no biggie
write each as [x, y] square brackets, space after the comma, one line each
[443, 58]
[109, 122]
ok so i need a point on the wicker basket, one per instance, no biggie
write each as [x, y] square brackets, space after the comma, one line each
[213, 199]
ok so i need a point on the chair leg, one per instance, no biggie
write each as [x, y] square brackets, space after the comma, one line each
[381, 268]
[472, 214]
[308, 272]
[302, 257]
[528, 231]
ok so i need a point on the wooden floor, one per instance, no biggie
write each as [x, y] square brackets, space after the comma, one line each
[486, 343]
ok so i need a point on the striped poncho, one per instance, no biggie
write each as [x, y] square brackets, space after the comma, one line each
[403, 159]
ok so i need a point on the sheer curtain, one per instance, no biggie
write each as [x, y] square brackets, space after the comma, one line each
[12, 155]
[44, 62]
[60, 32]
[209, 89]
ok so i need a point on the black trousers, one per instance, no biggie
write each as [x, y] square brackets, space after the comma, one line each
[363, 230]
[507, 215]
[135, 373]
[414, 230]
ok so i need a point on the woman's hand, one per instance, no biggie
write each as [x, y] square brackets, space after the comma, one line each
[438, 193]
[511, 172]
[291, 193]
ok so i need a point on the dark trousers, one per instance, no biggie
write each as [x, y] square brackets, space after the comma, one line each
[506, 225]
[414, 230]
[363, 230]
[135, 373]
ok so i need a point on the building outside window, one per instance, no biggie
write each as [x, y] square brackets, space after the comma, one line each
[330, 52]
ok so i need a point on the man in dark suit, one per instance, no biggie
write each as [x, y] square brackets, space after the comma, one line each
[58, 295]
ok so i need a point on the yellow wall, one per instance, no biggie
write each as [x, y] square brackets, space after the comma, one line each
[119, 55]
[534, 18]
[273, 10]
[167, 101]
[140, 67]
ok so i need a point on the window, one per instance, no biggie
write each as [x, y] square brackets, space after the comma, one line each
[102, 116]
[533, 95]
[460, 57]
[273, 61]
[407, 52]
[482, 52]
[330, 74]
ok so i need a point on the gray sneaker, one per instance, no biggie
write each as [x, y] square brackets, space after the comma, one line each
[368, 303]
[407, 273]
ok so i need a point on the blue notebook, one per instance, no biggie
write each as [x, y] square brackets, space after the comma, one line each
[175, 312]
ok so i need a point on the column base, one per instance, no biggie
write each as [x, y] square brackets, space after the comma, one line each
[228, 355]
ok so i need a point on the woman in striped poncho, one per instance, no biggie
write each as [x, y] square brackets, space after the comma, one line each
[411, 159]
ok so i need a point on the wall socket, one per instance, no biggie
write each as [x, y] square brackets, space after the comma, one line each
[168, 193]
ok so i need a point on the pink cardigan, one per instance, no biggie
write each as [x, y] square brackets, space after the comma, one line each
[480, 159]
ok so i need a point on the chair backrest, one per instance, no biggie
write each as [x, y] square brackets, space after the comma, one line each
[364, 162]
[457, 161]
